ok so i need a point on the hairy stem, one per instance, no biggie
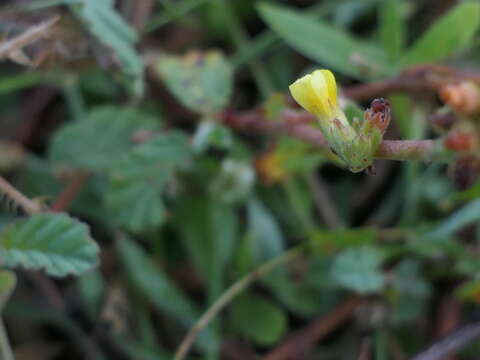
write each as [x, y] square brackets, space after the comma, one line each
[29, 206]
[234, 290]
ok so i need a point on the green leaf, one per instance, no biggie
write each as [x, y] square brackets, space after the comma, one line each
[358, 269]
[463, 217]
[266, 235]
[201, 82]
[108, 26]
[323, 43]
[471, 193]
[55, 242]
[154, 284]
[136, 185]
[91, 287]
[8, 281]
[101, 140]
[257, 318]
[328, 242]
[453, 32]
[208, 230]
[407, 309]
[392, 28]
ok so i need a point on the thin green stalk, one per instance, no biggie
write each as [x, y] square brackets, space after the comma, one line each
[381, 346]
[5, 348]
[234, 290]
[19, 81]
[215, 286]
[74, 98]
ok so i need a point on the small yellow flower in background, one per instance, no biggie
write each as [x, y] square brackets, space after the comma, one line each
[354, 143]
[270, 167]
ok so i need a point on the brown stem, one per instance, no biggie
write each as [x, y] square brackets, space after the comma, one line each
[32, 34]
[29, 206]
[298, 124]
[300, 343]
[418, 79]
[402, 150]
[69, 193]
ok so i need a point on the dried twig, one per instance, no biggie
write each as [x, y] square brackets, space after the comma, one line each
[428, 77]
[301, 342]
[9, 47]
[451, 343]
[29, 206]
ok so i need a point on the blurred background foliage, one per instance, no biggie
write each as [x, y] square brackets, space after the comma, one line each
[114, 111]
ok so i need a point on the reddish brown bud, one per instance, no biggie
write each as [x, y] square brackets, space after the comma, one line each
[460, 141]
[379, 114]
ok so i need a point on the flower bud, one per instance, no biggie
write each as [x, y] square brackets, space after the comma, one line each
[463, 97]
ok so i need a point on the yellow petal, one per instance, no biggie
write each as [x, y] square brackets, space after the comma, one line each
[320, 88]
[303, 93]
[331, 85]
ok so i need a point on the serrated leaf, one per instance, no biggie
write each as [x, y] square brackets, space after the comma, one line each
[56, 243]
[258, 318]
[451, 33]
[101, 140]
[358, 269]
[111, 30]
[134, 194]
[321, 42]
[8, 281]
[201, 82]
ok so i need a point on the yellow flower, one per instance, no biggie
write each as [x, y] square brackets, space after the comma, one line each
[317, 93]
[355, 142]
